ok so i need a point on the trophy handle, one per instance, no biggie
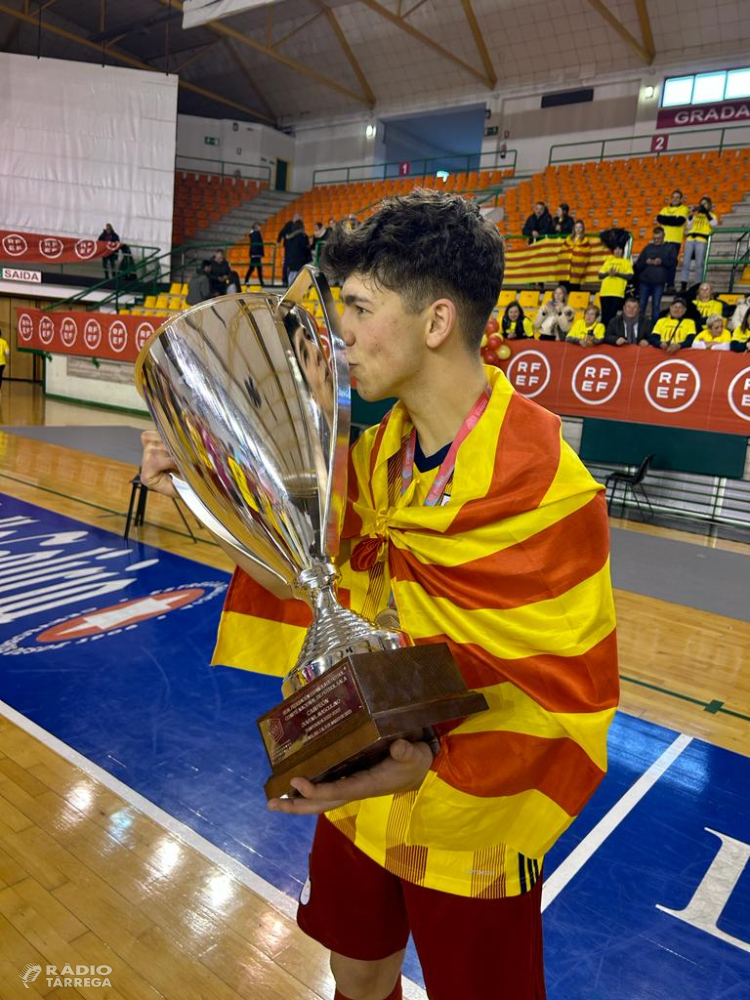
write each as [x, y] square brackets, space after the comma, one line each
[196, 506]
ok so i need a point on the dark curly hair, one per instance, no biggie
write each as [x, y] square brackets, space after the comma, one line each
[426, 245]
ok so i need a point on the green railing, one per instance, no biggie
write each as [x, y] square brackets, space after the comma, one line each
[132, 280]
[224, 168]
[640, 145]
[737, 261]
[464, 162]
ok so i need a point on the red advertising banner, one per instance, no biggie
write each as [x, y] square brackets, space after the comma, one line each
[555, 260]
[85, 334]
[700, 390]
[37, 249]
[724, 113]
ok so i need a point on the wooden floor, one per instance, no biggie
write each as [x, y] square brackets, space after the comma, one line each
[79, 886]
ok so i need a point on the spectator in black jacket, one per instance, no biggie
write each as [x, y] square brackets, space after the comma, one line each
[298, 251]
[257, 253]
[199, 286]
[286, 231]
[220, 272]
[652, 269]
[563, 222]
[109, 261]
[628, 326]
[539, 223]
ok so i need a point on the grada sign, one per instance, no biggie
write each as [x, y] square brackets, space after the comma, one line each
[725, 113]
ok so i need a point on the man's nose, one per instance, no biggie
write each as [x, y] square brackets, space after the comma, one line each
[347, 332]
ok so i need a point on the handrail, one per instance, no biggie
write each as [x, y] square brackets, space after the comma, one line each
[507, 160]
[237, 172]
[670, 150]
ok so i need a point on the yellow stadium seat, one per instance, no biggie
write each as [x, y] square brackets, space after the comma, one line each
[529, 300]
[150, 302]
[162, 302]
[175, 288]
[578, 300]
[506, 297]
[175, 302]
[183, 290]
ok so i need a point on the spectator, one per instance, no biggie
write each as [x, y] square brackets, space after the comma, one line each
[629, 327]
[673, 218]
[616, 271]
[320, 235]
[705, 304]
[515, 325]
[127, 263]
[220, 272]
[109, 260]
[587, 331]
[350, 222]
[555, 317]
[539, 223]
[234, 285]
[563, 222]
[4, 352]
[285, 231]
[652, 271]
[675, 330]
[715, 337]
[741, 334]
[297, 250]
[741, 308]
[577, 247]
[199, 286]
[702, 219]
[257, 253]
[331, 226]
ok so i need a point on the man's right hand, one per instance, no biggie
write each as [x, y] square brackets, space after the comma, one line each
[620, 341]
[157, 464]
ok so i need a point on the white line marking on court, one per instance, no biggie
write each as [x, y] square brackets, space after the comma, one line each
[274, 897]
[594, 840]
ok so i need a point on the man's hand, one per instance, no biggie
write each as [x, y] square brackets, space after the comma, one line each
[156, 465]
[644, 343]
[672, 348]
[621, 340]
[402, 771]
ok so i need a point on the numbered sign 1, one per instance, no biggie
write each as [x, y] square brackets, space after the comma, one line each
[659, 143]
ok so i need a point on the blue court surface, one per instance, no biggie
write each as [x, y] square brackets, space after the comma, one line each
[106, 645]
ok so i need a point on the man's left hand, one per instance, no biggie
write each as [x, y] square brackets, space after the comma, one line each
[403, 770]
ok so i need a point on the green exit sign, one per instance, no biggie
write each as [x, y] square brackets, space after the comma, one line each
[211, 140]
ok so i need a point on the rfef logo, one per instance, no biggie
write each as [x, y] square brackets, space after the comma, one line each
[738, 394]
[69, 331]
[51, 247]
[25, 327]
[46, 330]
[596, 379]
[15, 245]
[118, 336]
[85, 249]
[673, 386]
[529, 373]
[142, 333]
[92, 334]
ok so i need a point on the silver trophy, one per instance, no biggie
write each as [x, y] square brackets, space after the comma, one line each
[255, 408]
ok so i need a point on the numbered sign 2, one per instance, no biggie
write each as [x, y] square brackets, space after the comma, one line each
[659, 143]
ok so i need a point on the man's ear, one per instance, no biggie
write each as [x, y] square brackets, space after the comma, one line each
[441, 320]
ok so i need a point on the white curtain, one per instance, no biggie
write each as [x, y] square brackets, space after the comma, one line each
[83, 145]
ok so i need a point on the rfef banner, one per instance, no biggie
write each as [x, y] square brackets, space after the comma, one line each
[33, 248]
[85, 334]
[723, 113]
[700, 390]
[553, 260]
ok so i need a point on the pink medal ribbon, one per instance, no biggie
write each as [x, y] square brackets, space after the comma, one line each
[449, 462]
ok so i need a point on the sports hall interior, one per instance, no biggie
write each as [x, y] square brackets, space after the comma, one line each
[133, 830]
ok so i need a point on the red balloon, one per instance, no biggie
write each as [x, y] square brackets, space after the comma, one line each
[494, 341]
[492, 325]
[491, 358]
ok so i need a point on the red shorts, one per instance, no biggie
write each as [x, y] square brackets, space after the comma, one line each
[469, 949]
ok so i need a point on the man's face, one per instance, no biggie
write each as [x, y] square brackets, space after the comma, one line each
[704, 202]
[384, 344]
[219, 256]
[658, 238]
[676, 197]
[716, 327]
[677, 310]
[630, 310]
[538, 209]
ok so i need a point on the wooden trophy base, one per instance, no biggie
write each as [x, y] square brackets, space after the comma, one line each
[346, 719]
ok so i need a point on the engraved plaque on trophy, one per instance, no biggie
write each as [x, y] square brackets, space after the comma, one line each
[254, 406]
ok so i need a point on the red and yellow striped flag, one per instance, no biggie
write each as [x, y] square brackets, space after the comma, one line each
[512, 571]
[555, 260]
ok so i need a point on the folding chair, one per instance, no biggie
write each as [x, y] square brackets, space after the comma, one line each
[633, 482]
[137, 507]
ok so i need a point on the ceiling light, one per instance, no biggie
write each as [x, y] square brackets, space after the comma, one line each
[649, 92]
[370, 131]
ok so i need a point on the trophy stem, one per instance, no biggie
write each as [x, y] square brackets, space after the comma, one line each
[335, 632]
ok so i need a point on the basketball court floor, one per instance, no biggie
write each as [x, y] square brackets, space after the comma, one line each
[133, 830]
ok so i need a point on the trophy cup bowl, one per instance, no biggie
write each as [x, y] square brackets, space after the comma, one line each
[255, 407]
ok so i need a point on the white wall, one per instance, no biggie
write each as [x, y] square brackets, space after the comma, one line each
[83, 145]
[340, 144]
[239, 145]
[109, 385]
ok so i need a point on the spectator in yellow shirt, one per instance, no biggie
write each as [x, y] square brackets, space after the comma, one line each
[705, 303]
[616, 271]
[702, 220]
[587, 331]
[4, 352]
[715, 337]
[675, 330]
[673, 218]
[741, 335]
[515, 324]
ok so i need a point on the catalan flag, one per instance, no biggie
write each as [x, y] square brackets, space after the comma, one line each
[555, 260]
[512, 571]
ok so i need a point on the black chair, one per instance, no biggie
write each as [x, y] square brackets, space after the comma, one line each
[633, 482]
[137, 507]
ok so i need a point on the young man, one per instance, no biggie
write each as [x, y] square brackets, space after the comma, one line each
[257, 253]
[472, 520]
[652, 270]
